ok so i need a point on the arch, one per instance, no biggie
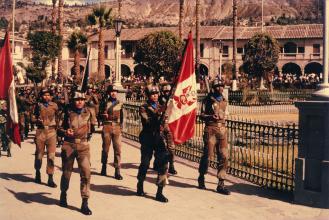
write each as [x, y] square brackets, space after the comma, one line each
[290, 47]
[141, 70]
[125, 70]
[313, 67]
[291, 68]
[107, 71]
[82, 68]
[204, 70]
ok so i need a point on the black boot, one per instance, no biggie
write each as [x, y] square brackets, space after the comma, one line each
[63, 200]
[37, 177]
[84, 207]
[201, 182]
[117, 174]
[140, 188]
[222, 189]
[51, 182]
[159, 196]
[172, 169]
[103, 172]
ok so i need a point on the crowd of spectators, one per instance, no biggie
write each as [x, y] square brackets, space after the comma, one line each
[293, 81]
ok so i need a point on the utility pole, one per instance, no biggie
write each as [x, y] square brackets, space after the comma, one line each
[234, 82]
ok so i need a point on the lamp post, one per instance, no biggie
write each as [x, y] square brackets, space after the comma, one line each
[220, 44]
[118, 26]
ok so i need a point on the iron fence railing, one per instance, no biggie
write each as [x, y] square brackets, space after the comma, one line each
[262, 153]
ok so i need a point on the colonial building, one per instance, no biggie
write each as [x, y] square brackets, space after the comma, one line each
[301, 48]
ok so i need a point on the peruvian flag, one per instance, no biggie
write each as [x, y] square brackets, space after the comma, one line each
[182, 109]
[7, 91]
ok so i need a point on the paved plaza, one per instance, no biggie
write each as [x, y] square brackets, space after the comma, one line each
[21, 198]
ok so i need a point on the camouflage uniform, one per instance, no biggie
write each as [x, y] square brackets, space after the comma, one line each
[76, 147]
[215, 137]
[151, 139]
[5, 143]
[45, 117]
[112, 113]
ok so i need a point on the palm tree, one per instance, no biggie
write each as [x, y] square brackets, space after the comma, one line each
[102, 17]
[60, 33]
[181, 15]
[77, 43]
[54, 22]
[197, 33]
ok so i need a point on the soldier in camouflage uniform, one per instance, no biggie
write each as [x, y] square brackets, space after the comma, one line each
[92, 101]
[5, 143]
[45, 117]
[169, 137]
[21, 108]
[111, 111]
[77, 124]
[215, 136]
[151, 139]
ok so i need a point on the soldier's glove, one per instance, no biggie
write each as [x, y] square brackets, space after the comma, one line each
[89, 136]
[92, 128]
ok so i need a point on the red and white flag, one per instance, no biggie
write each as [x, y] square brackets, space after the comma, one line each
[7, 91]
[182, 109]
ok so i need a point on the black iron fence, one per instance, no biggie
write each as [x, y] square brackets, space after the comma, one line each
[260, 153]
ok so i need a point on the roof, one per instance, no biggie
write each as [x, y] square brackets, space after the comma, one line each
[222, 32]
[278, 32]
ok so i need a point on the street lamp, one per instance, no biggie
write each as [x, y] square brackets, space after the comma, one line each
[220, 44]
[118, 26]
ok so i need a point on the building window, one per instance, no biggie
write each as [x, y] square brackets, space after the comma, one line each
[240, 50]
[202, 50]
[106, 51]
[290, 48]
[316, 48]
[225, 51]
[301, 49]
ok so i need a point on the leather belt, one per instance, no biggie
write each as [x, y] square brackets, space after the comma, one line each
[111, 123]
[218, 124]
[47, 127]
[77, 140]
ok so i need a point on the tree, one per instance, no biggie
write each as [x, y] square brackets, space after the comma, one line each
[45, 47]
[261, 56]
[159, 52]
[102, 17]
[77, 43]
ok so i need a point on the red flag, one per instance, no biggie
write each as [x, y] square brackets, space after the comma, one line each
[182, 109]
[7, 91]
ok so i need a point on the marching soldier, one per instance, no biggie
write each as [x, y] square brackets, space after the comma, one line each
[92, 100]
[21, 108]
[4, 139]
[215, 136]
[152, 140]
[111, 111]
[78, 123]
[45, 117]
[167, 133]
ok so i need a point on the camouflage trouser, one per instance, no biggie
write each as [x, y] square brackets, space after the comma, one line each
[111, 133]
[170, 146]
[21, 118]
[153, 142]
[80, 152]
[45, 139]
[215, 139]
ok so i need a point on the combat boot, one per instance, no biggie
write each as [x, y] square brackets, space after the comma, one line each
[117, 174]
[172, 169]
[51, 182]
[63, 200]
[159, 196]
[37, 177]
[201, 182]
[84, 207]
[103, 172]
[222, 189]
[140, 188]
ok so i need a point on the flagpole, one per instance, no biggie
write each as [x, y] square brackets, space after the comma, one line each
[13, 37]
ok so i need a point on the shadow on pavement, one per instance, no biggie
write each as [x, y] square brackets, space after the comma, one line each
[39, 197]
[20, 177]
[249, 189]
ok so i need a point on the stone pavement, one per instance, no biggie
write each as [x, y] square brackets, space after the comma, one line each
[21, 198]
